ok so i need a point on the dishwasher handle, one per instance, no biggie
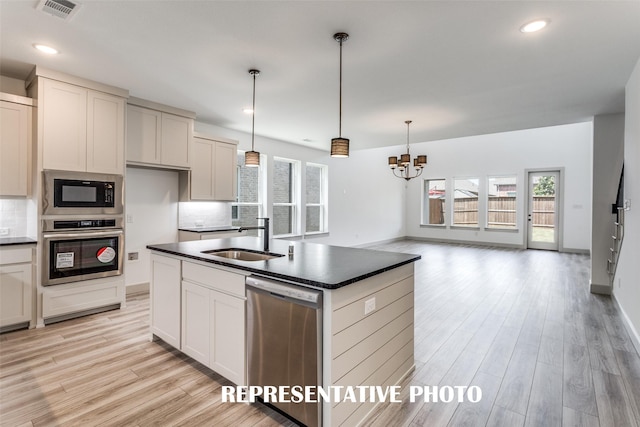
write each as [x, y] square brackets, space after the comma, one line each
[284, 290]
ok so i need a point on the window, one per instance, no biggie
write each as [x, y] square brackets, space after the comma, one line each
[316, 202]
[285, 200]
[465, 202]
[248, 205]
[434, 198]
[501, 202]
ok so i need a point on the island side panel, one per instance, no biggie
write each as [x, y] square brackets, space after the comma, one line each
[372, 349]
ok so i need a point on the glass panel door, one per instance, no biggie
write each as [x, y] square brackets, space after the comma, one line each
[542, 217]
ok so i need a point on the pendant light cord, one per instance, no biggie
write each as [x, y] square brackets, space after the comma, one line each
[253, 114]
[340, 109]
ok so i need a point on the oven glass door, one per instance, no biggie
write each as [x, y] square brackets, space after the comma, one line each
[75, 257]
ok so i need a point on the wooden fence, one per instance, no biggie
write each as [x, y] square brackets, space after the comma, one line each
[501, 211]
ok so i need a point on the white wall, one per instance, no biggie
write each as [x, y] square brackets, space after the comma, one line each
[512, 153]
[626, 284]
[151, 200]
[608, 146]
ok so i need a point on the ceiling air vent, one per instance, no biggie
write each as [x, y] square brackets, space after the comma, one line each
[61, 8]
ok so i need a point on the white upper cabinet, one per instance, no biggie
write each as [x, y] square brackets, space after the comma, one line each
[82, 129]
[158, 135]
[15, 145]
[213, 170]
[177, 133]
[105, 133]
[143, 133]
[64, 129]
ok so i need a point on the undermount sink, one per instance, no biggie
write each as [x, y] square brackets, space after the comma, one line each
[242, 254]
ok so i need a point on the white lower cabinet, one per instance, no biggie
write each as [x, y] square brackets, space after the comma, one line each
[227, 351]
[213, 319]
[16, 286]
[201, 311]
[213, 330]
[165, 298]
[196, 319]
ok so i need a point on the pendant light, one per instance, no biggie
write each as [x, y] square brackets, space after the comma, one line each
[252, 158]
[403, 164]
[340, 145]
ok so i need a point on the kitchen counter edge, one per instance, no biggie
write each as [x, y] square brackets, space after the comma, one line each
[268, 271]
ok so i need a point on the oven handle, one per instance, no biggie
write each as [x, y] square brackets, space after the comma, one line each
[86, 234]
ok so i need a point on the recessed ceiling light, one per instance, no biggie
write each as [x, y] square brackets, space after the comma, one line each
[45, 49]
[533, 26]
[247, 111]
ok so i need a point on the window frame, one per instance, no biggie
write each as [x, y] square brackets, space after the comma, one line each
[487, 227]
[324, 199]
[453, 203]
[425, 197]
[295, 196]
[260, 204]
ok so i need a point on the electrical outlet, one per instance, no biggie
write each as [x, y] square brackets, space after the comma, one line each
[4, 231]
[369, 305]
[132, 256]
[129, 219]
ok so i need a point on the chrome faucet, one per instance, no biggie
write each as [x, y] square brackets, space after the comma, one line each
[265, 233]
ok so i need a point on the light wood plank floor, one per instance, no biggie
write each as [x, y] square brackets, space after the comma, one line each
[519, 324]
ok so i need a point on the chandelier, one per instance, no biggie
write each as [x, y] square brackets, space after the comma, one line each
[403, 164]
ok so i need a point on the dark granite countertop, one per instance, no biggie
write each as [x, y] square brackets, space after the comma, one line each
[209, 229]
[313, 264]
[8, 241]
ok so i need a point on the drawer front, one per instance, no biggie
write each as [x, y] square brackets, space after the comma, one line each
[15, 255]
[213, 278]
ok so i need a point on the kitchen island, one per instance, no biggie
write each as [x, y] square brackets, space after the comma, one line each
[198, 305]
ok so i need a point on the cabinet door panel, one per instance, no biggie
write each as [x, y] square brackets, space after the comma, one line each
[195, 322]
[15, 294]
[226, 158]
[202, 170]
[227, 355]
[64, 130]
[105, 133]
[143, 134]
[177, 133]
[15, 131]
[165, 298]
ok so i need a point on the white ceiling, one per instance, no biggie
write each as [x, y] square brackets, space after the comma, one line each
[455, 68]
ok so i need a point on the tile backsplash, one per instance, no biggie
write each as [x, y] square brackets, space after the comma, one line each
[13, 215]
[204, 214]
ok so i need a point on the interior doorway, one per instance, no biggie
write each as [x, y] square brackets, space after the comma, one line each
[543, 225]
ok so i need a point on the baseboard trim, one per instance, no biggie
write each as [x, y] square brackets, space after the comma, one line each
[381, 242]
[594, 288]
[466, 242]
[575, 251]
[633, 333]
[139, 288]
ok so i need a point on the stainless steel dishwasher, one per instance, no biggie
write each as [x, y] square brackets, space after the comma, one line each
[284, 341]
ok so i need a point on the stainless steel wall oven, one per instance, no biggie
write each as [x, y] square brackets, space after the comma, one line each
[81, 249]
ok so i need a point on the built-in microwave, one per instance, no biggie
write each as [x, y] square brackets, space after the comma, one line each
[81, 193]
